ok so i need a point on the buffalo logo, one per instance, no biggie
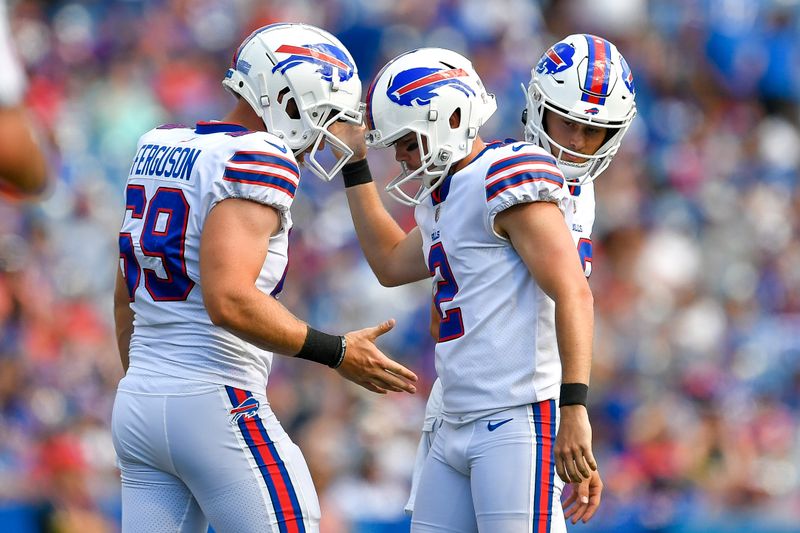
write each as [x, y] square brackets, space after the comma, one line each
[627, 75]
[326, 56]
[418, 85]
[558, 58]
[591, 111]
[248, 409]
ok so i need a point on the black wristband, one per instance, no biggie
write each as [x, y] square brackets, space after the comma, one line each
[573, 394]
[323, 348]
[356, 173]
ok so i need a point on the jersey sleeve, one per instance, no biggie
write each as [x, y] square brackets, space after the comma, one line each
[525, 174]
[262, 172]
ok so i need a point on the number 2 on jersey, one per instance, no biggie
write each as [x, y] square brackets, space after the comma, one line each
[163, 237]
[585, 254]
[451, 326]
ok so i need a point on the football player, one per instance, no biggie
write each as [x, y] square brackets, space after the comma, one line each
[560, 118]
[516, 327]
[203, 255]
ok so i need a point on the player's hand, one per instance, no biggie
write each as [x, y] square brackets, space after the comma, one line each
[367, 366]
[353, 136]
[584, 499]
[573, 450]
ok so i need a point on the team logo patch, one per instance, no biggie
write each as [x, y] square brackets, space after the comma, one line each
[591, 111]
[248, 409]
[558, 58]
[627, 76]
[326, 56]
[418, 85]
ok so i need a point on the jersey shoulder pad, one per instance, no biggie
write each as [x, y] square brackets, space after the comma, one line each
[522, 168]
[261, 167]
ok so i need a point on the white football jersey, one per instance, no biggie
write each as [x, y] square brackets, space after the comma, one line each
[178, 175]
[497, 347]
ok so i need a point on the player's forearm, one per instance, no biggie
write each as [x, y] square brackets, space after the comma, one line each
[257, 318]
[378, 233]
[574, 329]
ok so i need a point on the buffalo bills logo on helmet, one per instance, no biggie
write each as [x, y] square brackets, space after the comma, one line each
[627, 75]
[248, 409]
[418, 85]
[558, 58]
[327, 56]
[591, 111]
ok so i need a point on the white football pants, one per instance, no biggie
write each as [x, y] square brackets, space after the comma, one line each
[494, 475]
[217, 455]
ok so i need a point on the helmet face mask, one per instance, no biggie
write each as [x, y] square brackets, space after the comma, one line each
[299, 79]
[418, 92]
[584, 79]
[426, 177]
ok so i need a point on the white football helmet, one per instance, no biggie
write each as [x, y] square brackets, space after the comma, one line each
[284, 63]
[586, 79]
[418, 92]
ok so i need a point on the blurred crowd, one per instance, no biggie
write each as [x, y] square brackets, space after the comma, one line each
[695, 396]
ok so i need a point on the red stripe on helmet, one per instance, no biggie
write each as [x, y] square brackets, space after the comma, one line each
[299, 50]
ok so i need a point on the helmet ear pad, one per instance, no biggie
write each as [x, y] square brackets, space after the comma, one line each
[436, 94]
[299, 79]
[585, 79]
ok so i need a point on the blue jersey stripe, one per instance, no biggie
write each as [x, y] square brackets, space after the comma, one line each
[262, 157]
[503, 164]
[261, 178]
[524, 176]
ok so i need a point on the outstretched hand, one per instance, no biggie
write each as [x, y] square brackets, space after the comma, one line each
[366, 365]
